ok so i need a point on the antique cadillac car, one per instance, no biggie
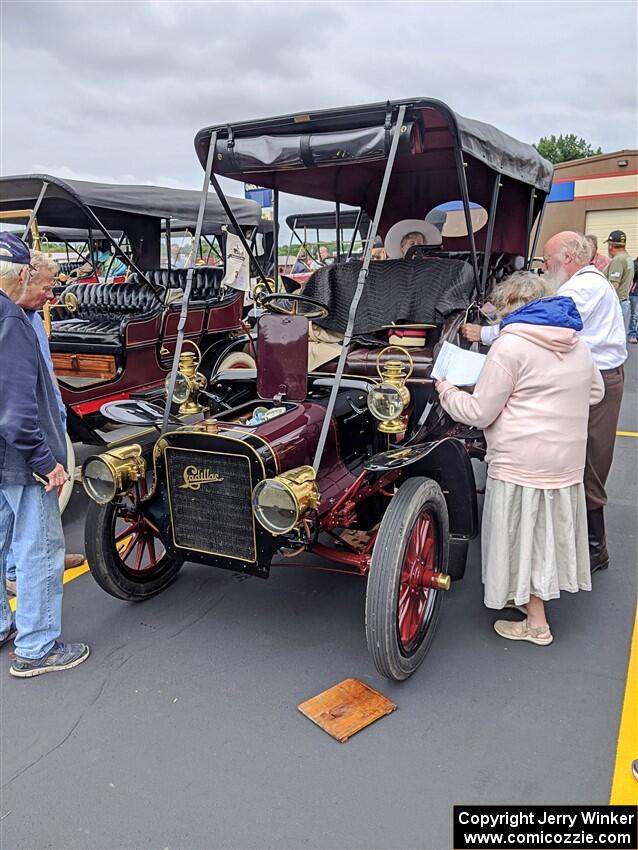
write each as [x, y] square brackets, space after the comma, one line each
[354, 464]
[110, 340]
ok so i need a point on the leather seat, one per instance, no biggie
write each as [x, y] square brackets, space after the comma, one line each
[363, 360]
[206, 282]
[103, 309]
[68, 266]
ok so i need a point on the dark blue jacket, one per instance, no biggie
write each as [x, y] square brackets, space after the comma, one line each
[31, 431]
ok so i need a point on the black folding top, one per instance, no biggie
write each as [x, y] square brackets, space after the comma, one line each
[72, 234]
[347, 135]
[327, 220]
[339, 155]
[64, 199]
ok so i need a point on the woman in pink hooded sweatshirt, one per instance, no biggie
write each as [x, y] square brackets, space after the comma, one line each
[532, 402]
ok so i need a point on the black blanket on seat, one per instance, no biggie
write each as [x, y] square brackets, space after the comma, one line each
[419, 291]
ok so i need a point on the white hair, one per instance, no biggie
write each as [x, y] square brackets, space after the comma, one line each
[578, 246]
[516, 290]
[43, 263]
[9, 272]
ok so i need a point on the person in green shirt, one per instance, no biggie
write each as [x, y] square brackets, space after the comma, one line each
[620, 271]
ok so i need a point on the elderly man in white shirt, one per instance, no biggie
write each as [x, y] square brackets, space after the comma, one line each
[568, 267]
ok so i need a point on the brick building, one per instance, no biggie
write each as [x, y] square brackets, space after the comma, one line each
[595, 195]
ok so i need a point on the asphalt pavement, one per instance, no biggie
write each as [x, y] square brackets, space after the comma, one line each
[181, 730]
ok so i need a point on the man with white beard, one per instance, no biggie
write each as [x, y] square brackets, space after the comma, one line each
[569, 270]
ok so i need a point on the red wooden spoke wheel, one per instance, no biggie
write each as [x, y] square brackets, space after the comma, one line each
[415, 599]
[138, 542]
[402, 598]
[125, 550]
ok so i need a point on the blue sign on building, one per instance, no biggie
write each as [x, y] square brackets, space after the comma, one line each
[563, 191]
[257, 193]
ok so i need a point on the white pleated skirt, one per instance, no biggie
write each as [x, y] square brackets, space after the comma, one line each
[534, 542]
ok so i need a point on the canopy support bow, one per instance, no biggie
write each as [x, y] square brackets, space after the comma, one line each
[189, 284]
[361, 280]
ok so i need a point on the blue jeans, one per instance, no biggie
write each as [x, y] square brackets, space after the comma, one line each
[624, 306]
[30, 517]
[633, 320]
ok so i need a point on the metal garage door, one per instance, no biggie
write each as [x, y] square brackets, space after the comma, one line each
[602, 222]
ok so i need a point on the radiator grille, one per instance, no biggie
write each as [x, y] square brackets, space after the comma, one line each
[209, 495]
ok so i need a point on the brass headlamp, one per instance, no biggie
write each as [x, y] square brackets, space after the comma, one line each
[112, 474]
[188, 382]
[280, 503]
[388, 400]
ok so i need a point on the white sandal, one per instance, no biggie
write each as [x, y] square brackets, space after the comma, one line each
[521, 630]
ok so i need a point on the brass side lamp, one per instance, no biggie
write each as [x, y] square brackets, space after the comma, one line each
[69, 302]
[388, 400]
[188, 382]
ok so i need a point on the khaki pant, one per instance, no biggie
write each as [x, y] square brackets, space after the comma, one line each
[601, 436]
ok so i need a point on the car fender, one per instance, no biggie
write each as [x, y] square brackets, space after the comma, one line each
[447, 462]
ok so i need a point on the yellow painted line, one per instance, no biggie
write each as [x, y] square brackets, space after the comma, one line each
[624, 788]
[75, 572]
[627, 433]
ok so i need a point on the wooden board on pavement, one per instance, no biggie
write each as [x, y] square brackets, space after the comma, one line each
[346, 708]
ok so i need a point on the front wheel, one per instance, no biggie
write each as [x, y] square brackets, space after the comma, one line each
[402, 611]
[125, 553]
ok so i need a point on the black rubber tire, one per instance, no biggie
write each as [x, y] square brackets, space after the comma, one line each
[414, 496]
[105, 564]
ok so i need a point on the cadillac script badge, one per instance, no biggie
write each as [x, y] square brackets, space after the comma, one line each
[194, 478]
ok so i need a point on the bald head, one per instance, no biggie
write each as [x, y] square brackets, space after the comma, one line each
[565, 254]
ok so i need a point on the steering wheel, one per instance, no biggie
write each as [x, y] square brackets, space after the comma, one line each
[294, 305]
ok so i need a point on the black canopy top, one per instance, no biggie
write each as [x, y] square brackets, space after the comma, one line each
[327, 220]
[140, 211]
[72, 234]
[270, 146]
[339, 155]
[64, 201]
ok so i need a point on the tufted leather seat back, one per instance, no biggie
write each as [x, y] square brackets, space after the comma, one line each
[67, 266]
[112, 301]
[206, 281]
[102, 307]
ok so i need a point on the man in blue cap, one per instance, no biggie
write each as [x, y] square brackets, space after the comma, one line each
[32, 457]
[38, 291]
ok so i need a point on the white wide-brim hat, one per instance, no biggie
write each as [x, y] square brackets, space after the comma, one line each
[395, 234]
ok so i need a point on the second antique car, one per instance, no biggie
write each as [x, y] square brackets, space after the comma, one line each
[354, 465]
[114, 338]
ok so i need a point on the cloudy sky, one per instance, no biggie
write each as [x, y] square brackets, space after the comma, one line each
[116, 91]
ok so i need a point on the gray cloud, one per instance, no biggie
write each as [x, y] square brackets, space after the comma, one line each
[117, 91]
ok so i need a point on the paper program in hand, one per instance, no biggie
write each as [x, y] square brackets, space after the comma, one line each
[458, 366]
